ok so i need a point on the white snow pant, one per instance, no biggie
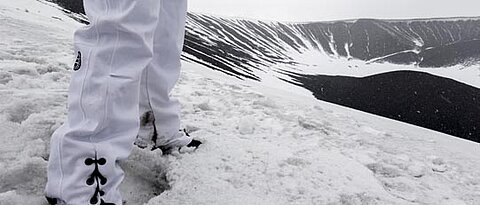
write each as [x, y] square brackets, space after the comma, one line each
[125, 38]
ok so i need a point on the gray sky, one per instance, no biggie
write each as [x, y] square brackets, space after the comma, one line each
[314, 10]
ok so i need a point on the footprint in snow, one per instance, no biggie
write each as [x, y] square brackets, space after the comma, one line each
[145, 176]
[438, 164]
[383, 170]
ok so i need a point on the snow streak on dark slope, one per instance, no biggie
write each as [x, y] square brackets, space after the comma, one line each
[237, 47]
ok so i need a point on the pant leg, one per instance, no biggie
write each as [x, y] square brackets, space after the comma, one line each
[161, 75]
[103, 101]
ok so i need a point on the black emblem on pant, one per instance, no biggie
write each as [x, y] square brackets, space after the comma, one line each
[97, 179]
[78, 62]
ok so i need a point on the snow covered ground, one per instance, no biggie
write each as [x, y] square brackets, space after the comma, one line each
[261, 145]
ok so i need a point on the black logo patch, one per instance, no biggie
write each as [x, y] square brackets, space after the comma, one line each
[78, 62]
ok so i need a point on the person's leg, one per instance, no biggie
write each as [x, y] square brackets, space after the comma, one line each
[160, 76]
[103, 102]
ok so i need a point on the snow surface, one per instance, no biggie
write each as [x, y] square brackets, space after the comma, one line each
[262, 145]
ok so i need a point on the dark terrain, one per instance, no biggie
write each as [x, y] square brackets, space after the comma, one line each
[417, 98]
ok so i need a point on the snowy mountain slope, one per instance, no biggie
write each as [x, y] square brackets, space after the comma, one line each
[323, 56]
[307, 54]
[302, 152]
[239, 47]
[262, 145]
[279, 54]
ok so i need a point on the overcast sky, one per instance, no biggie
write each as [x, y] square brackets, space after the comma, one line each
[314, 10]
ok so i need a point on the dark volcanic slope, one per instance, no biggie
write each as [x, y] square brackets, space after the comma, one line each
[237, 46]
[402, 41]
[75, 6]
[418, 98]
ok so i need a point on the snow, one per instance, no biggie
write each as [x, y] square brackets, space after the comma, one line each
[263, 144]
